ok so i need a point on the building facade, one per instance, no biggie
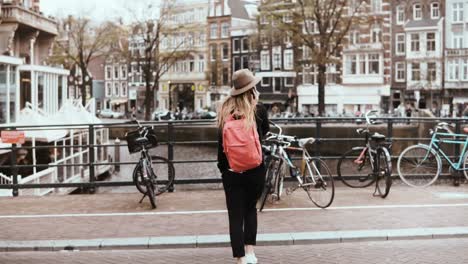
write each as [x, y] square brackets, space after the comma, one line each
[26, 38]
[116, 84]
[418, 49]
[185, 83]
[456, 56]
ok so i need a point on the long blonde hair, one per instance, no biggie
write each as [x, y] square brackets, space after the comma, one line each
[240, 105]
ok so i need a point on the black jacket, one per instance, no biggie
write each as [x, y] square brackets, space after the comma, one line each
[263, 127]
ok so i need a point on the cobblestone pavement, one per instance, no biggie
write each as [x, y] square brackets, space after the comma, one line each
[202, 213]
[450, 251]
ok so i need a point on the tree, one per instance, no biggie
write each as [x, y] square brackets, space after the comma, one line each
[80, 43]
[319, 25]
[152, 29]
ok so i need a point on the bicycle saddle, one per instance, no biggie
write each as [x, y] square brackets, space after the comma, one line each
[141, 141]
[377, 136]
[304, 141]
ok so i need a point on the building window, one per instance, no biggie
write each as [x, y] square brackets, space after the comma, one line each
[415, 42]
[362, 64]
[265, 60]
[400, 44]
[123, 71]
[288, 81]
[124, 89]
[374, 64]
[465, 70]
[245, 44]
[108, 72]
[116, 89]
[236, 45]
[277, 84]
[431, 42]
[376, 34]
[213, 52]
[417, 12]
[415, 72]
[308, 75]
[400, 72]
[354, 37]
[376, 6]
[431, 72]
[435, 12]
[287, 18]
[237, 63]
[351, 65]
[213, 31]
[400, 15]
[116, 72]
[108, 89]
[310, 27]
[306, 51]
[263, 19]
[263, 39]
[288, 59]
[457, 9]
[245, 62]
[457, 41]
[225, 30]
[266, 81]
[276, 58]
[225, 52]
[453, 70]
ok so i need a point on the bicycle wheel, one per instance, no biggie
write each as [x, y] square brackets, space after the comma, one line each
[319, 183]
[271, 175]
[138, 178]
[419, 166]
[164, 172]
[384, 172]
[150, 193]
[465, 165]
[353, 172]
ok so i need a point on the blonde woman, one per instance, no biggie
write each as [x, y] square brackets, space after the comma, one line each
[242, 189]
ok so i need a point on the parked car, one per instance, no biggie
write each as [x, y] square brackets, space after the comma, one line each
[162, 115]
[208, 115]
[108, 113]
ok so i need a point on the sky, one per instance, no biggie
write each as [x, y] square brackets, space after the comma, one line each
[96, 9]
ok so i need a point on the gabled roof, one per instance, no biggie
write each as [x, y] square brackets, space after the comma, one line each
[242, 8]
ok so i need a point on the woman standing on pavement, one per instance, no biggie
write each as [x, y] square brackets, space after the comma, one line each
[242, 188]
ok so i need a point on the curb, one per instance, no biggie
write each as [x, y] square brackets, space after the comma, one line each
[210, 241]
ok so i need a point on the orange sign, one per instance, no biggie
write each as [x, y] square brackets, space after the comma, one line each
[13, 137]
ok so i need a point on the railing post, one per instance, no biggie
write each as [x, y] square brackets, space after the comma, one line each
[390, 134]
[318, 127]
[117, 155]
[457, 174]
[170, 147]
[14, 170]
[92, 176]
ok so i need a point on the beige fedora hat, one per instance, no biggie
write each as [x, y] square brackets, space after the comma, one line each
[243, 81]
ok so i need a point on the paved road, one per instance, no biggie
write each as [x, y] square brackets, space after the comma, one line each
[450, 251]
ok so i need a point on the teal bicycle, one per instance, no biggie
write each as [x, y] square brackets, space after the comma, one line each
[420, 165]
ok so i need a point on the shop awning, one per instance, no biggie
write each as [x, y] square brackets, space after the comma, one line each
[460, 100]
[118, 101]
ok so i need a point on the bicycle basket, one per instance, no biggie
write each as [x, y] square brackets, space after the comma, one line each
[132, 136]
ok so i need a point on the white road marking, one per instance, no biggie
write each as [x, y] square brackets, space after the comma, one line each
[367, 207]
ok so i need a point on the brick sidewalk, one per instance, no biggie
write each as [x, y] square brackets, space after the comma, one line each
[202, 213]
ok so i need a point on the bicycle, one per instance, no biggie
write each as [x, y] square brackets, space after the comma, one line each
[313, 176]
[368, 164]
[420, 165]
[144, 176]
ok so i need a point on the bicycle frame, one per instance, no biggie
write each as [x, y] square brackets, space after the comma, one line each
[457, 165]
[304, 164]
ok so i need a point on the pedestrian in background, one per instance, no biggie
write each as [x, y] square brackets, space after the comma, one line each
[242, 188]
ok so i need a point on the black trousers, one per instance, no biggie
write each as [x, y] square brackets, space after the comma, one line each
[242, 192]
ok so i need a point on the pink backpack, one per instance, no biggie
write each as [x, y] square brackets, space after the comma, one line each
[242, 146]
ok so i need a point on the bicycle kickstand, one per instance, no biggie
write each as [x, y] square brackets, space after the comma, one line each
[142, 198]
